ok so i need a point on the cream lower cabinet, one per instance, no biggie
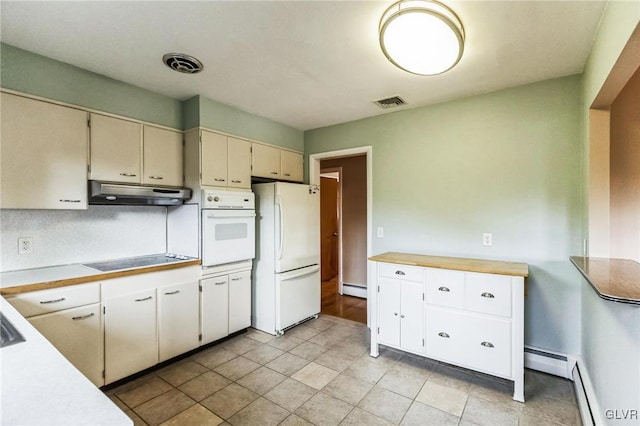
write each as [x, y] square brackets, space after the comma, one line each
[239, 301]
[178, 321]
[470, 319]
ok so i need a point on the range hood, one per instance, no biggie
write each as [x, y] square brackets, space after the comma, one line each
[119, 194]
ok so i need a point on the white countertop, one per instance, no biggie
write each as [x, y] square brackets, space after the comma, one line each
[38, 386]
[50, 273]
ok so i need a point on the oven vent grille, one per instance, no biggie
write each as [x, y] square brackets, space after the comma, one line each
[392, 102]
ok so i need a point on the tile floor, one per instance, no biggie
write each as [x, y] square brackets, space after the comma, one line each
[320, 373]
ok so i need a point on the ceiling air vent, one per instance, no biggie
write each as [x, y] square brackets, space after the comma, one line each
[182, 63]
[390, 102]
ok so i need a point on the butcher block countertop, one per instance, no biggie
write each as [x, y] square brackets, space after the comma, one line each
[455, 263]
[617, 280]
[16, 282]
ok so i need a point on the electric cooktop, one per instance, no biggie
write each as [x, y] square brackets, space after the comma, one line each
[137, 262]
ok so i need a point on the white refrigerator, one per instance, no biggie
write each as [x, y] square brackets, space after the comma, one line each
[286, 269]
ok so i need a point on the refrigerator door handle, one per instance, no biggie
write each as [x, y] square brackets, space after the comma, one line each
[298, 273]
[281, 225]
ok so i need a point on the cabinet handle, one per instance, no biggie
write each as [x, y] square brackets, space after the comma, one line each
[445, 289]
[487, 344]
[443, 334]
[144, 298]
[83, 316]
[395, 314]
[402, 316]
[487, 295]
[219, 180]
[69, 201]
[400, 273]
[127, 174]
[236, 181]
[156, 177]
[220, 283]
[236, 279]
[287, 174]
[274, 173]
[172, 292]
[44, 302]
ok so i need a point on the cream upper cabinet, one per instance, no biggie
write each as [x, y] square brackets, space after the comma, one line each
[44, 155]
[265, 161]
[291, 164]
[239, 156]
[115, 149]
[214, 159]
[162, 157]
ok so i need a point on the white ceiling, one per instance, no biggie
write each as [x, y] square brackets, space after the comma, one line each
[306, 64]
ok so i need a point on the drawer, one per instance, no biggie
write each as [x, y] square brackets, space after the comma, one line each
[445, 288]
[488, 293]
[444, 335]
[42, 302]
[403, 272]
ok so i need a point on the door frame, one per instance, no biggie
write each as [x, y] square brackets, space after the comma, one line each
[338, 170]
[314, 179]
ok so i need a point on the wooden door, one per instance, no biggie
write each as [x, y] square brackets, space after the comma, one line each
[329, 228]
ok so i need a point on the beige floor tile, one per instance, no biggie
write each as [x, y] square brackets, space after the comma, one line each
[121, 405]
[531, 420]
[415, 365]
[285, 343]
[387, 358]
[483, 412]
[287, 364]
[259, 336]
[548, 386]
[351, 349]
[402, 383]
[146, 389]
[261, 412]
[324, 410]
[237, 368]
[241, 344]
[348, 389]
[386, 404]
[499, 391]
[261, 380]
[290, 394]
[452, 377]
[451, 400]
[424, 415]
[322, 323]
[308, 350]
[364, 370]
[137, 421]
[327, 339]
[263, 354]
[181, 372]
[315, 375]
[213, 357]
[164, 407]
[204, 385]
[228, 401]
[294, 420]
[335, 360]
[359, 417]
[552, 409]
[303, 332]
[196, 415]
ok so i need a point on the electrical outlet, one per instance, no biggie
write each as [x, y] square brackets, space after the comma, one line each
[380, 232]
[487, 239]
[25, 245]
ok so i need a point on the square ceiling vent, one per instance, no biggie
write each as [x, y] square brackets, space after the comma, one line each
[392, 102]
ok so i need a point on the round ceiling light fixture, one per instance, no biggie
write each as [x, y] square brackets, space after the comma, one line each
[422, 37]
[182, 63]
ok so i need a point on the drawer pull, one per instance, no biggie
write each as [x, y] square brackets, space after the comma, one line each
[395, 314]
[144, 298]
[156, 177]
[236, 279]
[402, 316]
[236, 181]
[44, 302]
[400, 273]
[487, 295]
[443, 334]
[69, 201]
[287, 174]
[172, 292]
[274, 173]
[127, 174]
[487, 344]
[445, 289]
[220, 283]
[83, 316]
[219, 180]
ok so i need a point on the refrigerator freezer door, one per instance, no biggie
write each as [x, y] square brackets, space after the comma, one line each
[297, 230]
[297, 296]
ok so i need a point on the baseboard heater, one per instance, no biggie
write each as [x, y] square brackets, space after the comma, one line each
[569, 367]
[357, 290]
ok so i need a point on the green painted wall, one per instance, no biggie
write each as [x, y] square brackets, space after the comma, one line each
[38, 75]
[508, 163]
[191, 112]
[610, 344]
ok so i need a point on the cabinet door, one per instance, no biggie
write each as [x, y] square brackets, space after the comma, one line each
[162, 157]
[214, 159]
[44, 155]
[178, 319]
[239, 301]
[115, 149]
[77, 334]
[214, 308]
[389, 311]
[130, 334]
[412, 317]
[239, 163]
[292, 166]
[265, 161]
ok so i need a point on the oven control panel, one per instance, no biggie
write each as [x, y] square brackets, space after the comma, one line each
[228, 200]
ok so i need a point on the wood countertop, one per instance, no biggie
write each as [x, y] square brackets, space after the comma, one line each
[455, 263]
[617, 280]
[91, 277]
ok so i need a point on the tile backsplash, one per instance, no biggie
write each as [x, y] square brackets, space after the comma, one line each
[71, 236]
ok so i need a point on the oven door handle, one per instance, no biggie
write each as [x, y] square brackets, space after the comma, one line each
[213, 214]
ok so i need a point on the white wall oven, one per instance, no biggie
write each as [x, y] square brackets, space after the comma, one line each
[228, 227]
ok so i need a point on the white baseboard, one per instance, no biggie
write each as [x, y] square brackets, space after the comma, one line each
[547, 362]
[354, 290]
[587, 402]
